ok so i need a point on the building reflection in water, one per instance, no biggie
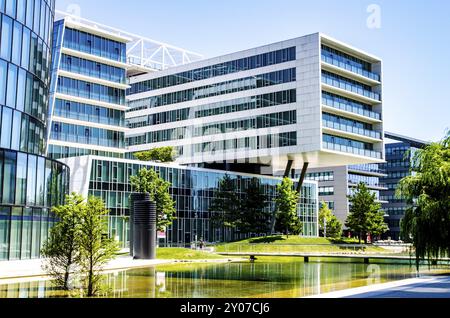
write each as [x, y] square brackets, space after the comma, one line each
[244, 279]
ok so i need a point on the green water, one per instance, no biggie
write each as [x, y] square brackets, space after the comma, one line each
[267, 278]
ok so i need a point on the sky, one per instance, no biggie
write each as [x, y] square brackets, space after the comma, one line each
[412, 38]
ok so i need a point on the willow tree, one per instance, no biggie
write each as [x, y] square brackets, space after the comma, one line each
[427, 222]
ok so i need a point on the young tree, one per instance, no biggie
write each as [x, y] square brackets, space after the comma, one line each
[96, 248]
[225, 207]
[329, 222]
[255, 216]
[286, 202]
[61, 250]
[148, 181]
[427, 221]
[366, 216]
[162, 154]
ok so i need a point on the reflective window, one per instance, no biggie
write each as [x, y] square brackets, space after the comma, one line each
[5, 48]
[5, 216]
[21, 181]
[16, 234]
[11, 8]
[5, 140]
[3, 73]
[12, 86]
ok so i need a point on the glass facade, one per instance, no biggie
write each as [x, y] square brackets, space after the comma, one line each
[244, 64]
[87, 133]
[213, 109]
[348, 62]
[30, 184]
[349, 105]
[193, 190]
[349, 85]
[233, 86]
[398, 165]
[349, 125]
[349, 145]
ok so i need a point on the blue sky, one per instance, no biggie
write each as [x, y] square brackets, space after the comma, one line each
[413, 40]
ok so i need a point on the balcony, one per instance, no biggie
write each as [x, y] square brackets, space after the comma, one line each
[348, 85]
[353, 150]
[371, 168]
[336, 62]
[352, 129]
[349, 106]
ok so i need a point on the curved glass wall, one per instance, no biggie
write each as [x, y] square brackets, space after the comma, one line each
[30, 184]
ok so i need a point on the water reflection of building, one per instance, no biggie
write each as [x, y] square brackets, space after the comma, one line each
[284, 279]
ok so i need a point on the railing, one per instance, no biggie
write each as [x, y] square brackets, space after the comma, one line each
[90, 118]
[350, 68]
[350, 108]
[356, 151]
[352, 129]
[326, 79]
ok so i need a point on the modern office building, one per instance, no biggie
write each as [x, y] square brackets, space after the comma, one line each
[337, 183]
[30, 183]
[265, 111]
[399, 154]
[309, 100]
[192, 189]
[88, 96]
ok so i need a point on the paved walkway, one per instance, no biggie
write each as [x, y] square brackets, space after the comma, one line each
[423, 287]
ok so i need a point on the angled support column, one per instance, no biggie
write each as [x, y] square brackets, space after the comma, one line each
[288, 168]
[302, 176]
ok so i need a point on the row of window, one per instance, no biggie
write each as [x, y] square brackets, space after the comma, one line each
[249, 143]
[397, 150]
[94, 44]
[349, 84]
[22, 91]
[395, 211]
[59, 152]
[357, 179]
[87, 135]
[396, 163]
[320, 176]
[326, 191]
[24, 48]
[369, 167]
[243, 64]
[348, 105]
[225, 107]
[233, 86]
[90, 113]
[70, 86]
[347, 142]
[21, 132]
[397, 174]
[93, 69]
[349, 125]
[392, 199]
[348, 62]
[37, 15]
[257, 122]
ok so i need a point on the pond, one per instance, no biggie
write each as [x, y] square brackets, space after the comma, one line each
[264, 278]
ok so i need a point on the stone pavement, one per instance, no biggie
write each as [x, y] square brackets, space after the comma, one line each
[423, 287]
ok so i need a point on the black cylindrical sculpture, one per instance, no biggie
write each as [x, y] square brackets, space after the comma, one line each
[133, 198]
[144, 232]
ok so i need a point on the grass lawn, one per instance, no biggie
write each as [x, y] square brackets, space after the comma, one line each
[184, 254]
[280, 243]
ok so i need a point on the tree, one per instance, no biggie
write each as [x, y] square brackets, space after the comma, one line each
[255, 216]
[225, 207]
[427, 222]
[96, 248]
[330, 221]
[162, 154]
[148, 181]
[366, 216]
[61, 250]
[286, 201]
